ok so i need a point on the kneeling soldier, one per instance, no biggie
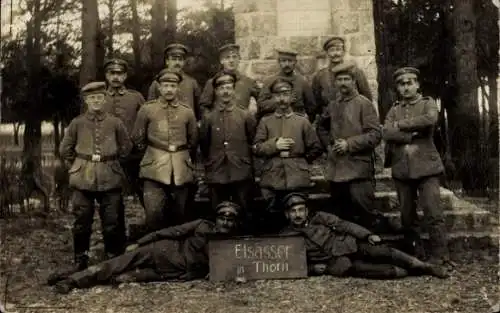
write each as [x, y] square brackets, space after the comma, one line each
[93, 144]
[337, 247]
[166, 128]
[177, 252]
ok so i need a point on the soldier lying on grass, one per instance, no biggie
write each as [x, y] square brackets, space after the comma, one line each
[340, 248]
[178, 252]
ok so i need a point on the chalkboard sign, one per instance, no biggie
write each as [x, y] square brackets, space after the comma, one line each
[251, 258]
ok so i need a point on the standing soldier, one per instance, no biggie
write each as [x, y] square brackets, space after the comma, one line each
[303, 102]
[323, 84]
[166, 129]
[351, 136]
[124, 103]
[245, 87]
[92, 146]
[287, 142]
[415, 162]
[226, 138]
[189, 90]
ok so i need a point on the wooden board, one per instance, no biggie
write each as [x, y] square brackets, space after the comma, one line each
[252, 258]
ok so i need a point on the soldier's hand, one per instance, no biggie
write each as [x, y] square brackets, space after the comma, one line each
[374, 239]
[283, 144]
[132, 247]
[340, 146]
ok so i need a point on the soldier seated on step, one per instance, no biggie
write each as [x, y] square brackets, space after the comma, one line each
[340, 248]
[173, 253]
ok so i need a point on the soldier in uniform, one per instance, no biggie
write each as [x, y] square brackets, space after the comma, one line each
[302, 97]
[178, 252]
[245, 87]
[288, 143]
[166, 129]
[340, 248]
[226, 138]
[92, 147]
[416, 164]
[124, 103]
[189, 90]
[323, 83]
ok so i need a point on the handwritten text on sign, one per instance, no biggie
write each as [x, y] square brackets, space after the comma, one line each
[257, 258]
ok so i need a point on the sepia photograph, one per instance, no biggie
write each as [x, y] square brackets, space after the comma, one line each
[266, 156]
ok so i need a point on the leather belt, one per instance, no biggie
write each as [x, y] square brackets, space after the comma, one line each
[97, 157]
[288, 154]
[169, 148]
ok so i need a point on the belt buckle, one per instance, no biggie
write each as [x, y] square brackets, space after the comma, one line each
[96, 158]
[284, 154]
[172, 148]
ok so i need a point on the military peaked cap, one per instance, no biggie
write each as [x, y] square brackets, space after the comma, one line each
[410, 72]
[292, 199]
[176, 49]
[228, 208]
[287, 53]
[343, 68]
[94, 87]
[229, 47]
[223, 77]
[333, 41]
[167, 75]
[116, 65]
[281, 84]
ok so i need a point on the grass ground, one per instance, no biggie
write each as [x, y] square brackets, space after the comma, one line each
[32, 247]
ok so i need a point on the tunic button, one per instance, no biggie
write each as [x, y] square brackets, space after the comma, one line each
[225, 143]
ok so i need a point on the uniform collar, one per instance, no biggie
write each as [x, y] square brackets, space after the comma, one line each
[95, 116]
[165, 104]
[346, 98]
[291, 76]
[227, 108]
[412, 101]
[286, 115]
[112, 91]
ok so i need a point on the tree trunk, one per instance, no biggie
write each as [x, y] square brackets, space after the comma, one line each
[90, 37]
[493, 103]
[111, 8]
[157, 33]
[136, 36]
[171, 20]
[57, 134]
[16, 133]
[466, 128]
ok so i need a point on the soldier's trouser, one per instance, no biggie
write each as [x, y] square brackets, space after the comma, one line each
[237, 192]
[165, 205]
[131, 168]
[355, 201]
[112, 221]
[101, 273]
[429, 200]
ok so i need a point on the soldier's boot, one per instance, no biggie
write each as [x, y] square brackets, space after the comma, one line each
[377, 271]
[143, 275]
[439, 254]
[413, 245]
[413, 263]
[81, 263]
[65, 286]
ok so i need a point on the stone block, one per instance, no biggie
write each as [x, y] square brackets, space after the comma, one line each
[344, 22]
[339, 5]
[242, 25]
[305, 45]
[355, 5]
[306, 66]
[303, 23]
[244, 67]
[245, 6]
[263, 24]
[362, 45]
[303, 5]
[369, 65]
[366, 22]
[264, 68]
[269, 45]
